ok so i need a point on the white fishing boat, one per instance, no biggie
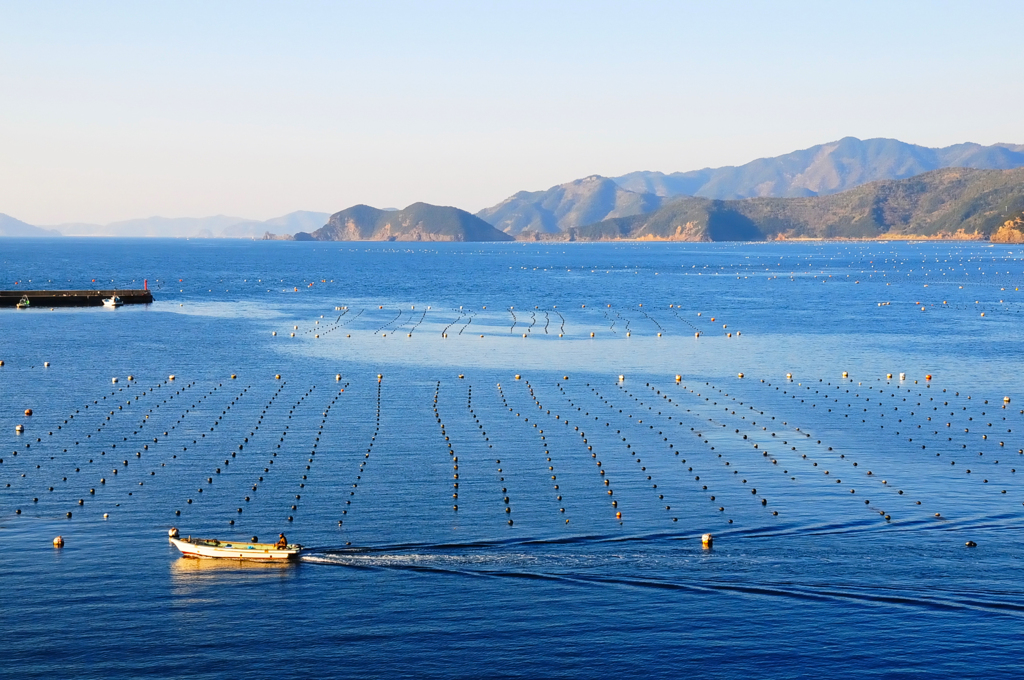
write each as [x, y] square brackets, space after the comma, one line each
[23, 303]
[114, 301]
[235, 550]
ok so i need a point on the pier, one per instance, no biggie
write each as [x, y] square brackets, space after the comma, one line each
[73, 298]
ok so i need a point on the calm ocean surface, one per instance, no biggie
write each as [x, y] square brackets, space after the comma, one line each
[840, 506]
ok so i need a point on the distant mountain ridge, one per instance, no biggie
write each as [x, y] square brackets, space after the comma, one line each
[820, 170]
[824, 169]
[216, 226]
[417, 222]
[570, 210]
[10, 226]
[573, 204]
[946, 203]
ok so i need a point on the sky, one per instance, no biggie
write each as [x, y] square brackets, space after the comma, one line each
[117, 110]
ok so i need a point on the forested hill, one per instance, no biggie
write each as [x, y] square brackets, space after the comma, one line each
[948, 203]
[418, 222]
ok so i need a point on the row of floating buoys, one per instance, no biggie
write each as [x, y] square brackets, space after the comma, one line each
[832, 470]
[138, 454]
[906, 425]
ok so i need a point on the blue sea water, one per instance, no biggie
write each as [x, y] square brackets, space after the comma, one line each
[840, 506]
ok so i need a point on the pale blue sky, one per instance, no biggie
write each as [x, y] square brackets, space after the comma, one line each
[113, 110]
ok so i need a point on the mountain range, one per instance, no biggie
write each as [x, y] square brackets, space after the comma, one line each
[824, 169]
[583, 201]
[10, 226]
[946, 203]
[820, 170]
[784, 198]
[216, 226]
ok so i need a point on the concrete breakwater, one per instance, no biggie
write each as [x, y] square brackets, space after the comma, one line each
[73, 298]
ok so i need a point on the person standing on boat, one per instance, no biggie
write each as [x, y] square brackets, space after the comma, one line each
[282, 542]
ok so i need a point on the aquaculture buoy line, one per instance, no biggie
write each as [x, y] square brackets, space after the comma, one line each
[318, 329]
[726, 459]
[312, 453]
[797, 402]
[461, 313]
[244, 447]
[639, 463]
[67, 489]
[366, 456]
[601, 466]
[776, 459]
[551, 472]
[150, 448]
[451, 452]
[711, 493]
[915, 407]
[414, 326]
[409, 320]
[144, 454]
[230, 455]
[561, 326]
[744, 438]
[676, 313]
[886, 483]
[650, 318]
[611, 322]
[199, 447]
[388, 325]
[505, 494]
[469, 320]
[42, 448]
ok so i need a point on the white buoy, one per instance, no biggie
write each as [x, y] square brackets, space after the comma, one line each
[707, 540]
[113, 380]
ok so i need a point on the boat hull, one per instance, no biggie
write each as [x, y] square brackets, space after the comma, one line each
[261, 552]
